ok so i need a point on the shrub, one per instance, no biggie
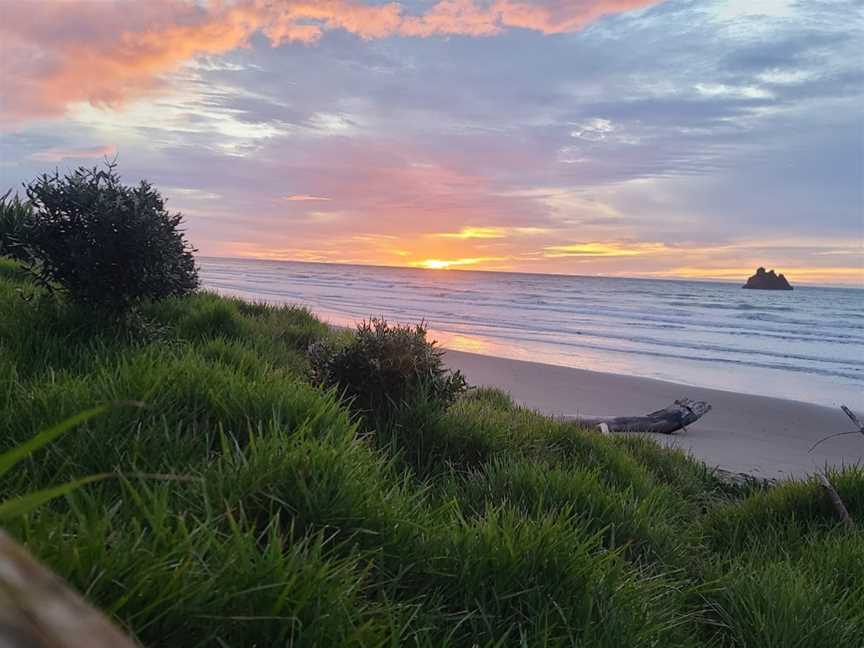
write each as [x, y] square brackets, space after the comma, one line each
[382, 367]
[106, 244]
[15, 216]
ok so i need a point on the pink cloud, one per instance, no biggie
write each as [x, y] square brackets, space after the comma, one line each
[305, 198]
[381, 188]
[469, 17]
[305, 20]
[106, 53]
[560, 16]
[80, 153]
[454, 17]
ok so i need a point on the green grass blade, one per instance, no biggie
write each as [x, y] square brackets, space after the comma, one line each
[25, 503]
[10, 458]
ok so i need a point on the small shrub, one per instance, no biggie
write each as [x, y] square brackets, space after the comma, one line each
[106, 244]
[383, 367]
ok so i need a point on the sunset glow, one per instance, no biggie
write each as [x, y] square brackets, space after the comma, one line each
[602, 250]
[440, 264]
[410, 134]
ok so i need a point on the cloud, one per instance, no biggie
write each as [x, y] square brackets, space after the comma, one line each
[560, 16]
[473, 18]
[80, 153]
[597, 249]
[305, 198]
[476, 233]
[107, 53]
[553, 154]
[735, 92]
[399, 186]
[491, 232]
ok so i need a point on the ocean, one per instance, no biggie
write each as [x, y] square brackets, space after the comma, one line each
[805, 345]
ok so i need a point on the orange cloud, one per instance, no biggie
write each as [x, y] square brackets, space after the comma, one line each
[602, 250]
[476, 233]
[113, 60]
[446, 264]
[54, 54]
[305, 21]
[491, 232]
[471, 18]
[454, 17]
[560, 16]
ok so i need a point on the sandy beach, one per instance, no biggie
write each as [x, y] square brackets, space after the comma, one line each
[767, 437]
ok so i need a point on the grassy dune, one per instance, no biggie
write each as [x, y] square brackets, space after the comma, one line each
[295, 524]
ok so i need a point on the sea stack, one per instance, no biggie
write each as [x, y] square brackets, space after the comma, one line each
[769, 280]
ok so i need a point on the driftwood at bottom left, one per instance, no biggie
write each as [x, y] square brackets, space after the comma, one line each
[39, 610]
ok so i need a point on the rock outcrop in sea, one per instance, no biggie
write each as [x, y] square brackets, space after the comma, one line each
[769, 280]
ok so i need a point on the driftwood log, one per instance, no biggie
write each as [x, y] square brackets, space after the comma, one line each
[670, 419]
[855, 420]
[38, 610]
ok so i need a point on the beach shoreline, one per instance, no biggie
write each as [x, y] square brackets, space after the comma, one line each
[758, 435]
[804, 345]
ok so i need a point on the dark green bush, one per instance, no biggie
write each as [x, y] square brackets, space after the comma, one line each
[383, 367]
[106, 244]
[15, 217]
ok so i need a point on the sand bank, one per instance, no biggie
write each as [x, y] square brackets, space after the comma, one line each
[768, 437]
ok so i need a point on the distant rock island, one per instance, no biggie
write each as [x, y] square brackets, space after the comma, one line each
[769, 280]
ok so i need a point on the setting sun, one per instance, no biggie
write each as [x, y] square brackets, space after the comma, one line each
[441, 264]
[434, 264]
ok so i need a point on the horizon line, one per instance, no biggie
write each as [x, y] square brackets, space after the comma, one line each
[523, 272]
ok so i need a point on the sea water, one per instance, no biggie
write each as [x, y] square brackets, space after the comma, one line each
[805, 345]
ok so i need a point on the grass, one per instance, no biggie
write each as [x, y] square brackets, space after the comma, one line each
[294, 524]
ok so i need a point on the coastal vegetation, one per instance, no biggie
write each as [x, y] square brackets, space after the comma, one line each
[299, 521]
[106, 244]
[272, 481]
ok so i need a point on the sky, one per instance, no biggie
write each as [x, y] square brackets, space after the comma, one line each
[692, 139]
